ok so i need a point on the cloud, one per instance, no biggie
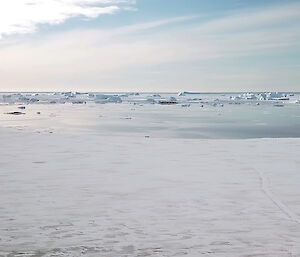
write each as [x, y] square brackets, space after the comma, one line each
[154, 24]
[116, 59]
[24, 16]
[253, 19]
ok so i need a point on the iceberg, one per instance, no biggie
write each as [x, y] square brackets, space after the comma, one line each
[170, 101]
[108, 99]
[188, 93]
[273, 96]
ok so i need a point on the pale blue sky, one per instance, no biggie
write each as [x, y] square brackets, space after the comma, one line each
[150, 45]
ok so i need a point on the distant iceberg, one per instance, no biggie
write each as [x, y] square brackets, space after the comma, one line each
[108, 99]
[170, 101]
[188, 93]
[262, 96]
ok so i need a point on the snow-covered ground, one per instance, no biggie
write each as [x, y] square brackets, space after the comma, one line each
[140, 178]
[68, 194]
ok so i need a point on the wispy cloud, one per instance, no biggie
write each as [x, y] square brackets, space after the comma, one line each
[279, 15]
[21, 17]
[154, 24]
[86, 58]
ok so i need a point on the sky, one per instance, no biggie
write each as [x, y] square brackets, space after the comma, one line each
[150, 45]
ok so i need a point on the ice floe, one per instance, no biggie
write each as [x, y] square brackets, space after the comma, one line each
[183, 98]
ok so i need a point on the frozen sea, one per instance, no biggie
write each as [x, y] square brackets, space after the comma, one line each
[211, 177]
[195, 116]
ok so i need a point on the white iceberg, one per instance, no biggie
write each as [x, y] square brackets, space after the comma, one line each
[108, 99]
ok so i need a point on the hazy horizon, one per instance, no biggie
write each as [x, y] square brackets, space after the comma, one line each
[145, 92]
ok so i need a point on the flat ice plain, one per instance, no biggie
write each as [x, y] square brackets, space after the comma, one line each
[69, 187]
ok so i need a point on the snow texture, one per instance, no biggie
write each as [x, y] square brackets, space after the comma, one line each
[65, 194]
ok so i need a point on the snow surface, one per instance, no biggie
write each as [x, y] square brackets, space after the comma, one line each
[68, 194]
